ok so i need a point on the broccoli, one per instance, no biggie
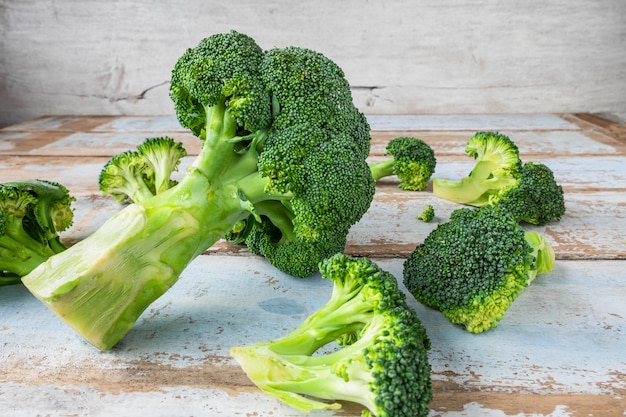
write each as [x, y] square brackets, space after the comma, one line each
[32, 214]
[497, 168]
[283, 149]
[427, 214]
[528, 190]
[413, 162]
[474, 266]
[381, 359]
[132, 176]
[537, 199]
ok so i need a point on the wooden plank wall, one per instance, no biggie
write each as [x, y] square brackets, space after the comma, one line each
[401, 56]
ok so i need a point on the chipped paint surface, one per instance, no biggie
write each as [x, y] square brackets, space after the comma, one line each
[559, 351]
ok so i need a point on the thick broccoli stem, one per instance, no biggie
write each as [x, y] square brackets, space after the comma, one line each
[340, 375]
[285, 380]
[382, 169]
[101, 285]
[474, 189]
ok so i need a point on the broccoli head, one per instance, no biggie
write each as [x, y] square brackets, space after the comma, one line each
[136, 175]
[282, 166]
[474, 266]
[537, 198]
[381, 361]
[413, 162]
[32, 214]
[497, 168]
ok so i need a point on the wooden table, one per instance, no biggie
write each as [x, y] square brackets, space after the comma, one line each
[560, 350]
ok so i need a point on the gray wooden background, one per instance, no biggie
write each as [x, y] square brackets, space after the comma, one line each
[401, 56]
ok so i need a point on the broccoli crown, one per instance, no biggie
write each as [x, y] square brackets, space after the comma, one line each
[413, 162]
[472, 267]
[279, 126]
[497, 169]
[224, 67]
[318, 143]
[32, 214]
[537, 199]
[136, 175]
[382, 362]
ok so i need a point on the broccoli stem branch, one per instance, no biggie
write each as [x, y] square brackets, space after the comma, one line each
[276, 376]
[382, 169]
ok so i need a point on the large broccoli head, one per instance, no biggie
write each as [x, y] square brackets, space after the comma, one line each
[305, 141]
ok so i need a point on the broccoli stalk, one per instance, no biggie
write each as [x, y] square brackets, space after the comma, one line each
[32, 214]
[382, 362]
[413, 162]
[473, 267]
[281, 151]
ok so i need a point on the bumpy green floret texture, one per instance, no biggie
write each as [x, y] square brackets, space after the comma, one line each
[474, 266]
[427, 214]
[537, 199]
[282, 152]
[32, 215]
[412, 161]
[497, 168]
[315, 153]
[135, 175]
[382, 361]
[223, 68]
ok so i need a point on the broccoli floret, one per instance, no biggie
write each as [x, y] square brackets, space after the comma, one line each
[133, 176]
[497, 168]
[528, 190]
[427, 214]
[381, 361]
[474, 266]
[537, 198]
[32, 214]
[282, 145]
[413, 162]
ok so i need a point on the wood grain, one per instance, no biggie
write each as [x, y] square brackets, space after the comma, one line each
[558, 352]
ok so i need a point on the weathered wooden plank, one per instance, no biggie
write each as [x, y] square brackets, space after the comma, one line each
[535, 134]
[575, 173]
[557, 352]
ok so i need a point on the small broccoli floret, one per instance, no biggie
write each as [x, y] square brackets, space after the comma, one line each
[474, 266]
[163, 154]
[381, 362]
[32, 214]
[283, 151]
[413, 162]
[537, 199]
[427, 214]
[497, 168]
[133, 176]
